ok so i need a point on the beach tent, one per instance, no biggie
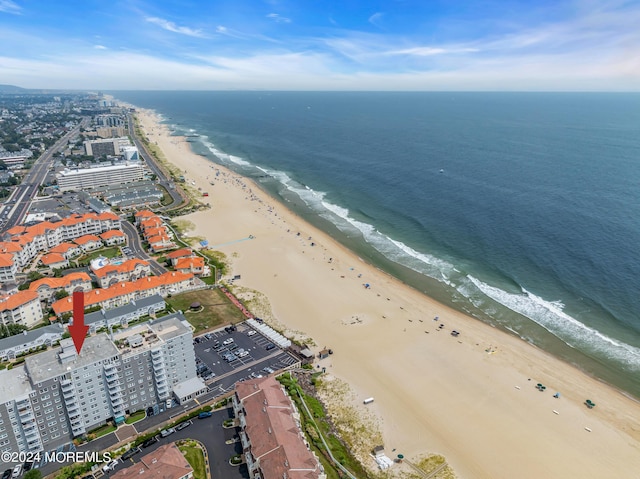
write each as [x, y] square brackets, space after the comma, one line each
[204, 243]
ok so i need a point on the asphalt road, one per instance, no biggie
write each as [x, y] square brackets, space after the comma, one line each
[167, 183]
[17, 205]
[138, 251]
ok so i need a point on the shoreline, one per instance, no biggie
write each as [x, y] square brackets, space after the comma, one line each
[436, 410]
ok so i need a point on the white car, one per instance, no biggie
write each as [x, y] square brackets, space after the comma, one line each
[251, 332]
[242, 354]
[227, 341]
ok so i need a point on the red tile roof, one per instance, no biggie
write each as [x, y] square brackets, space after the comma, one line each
[111, 234]
[125, 267]
[86, 239]
[100, 295]
[6, 260]
[63, 282]
[52, 258]
[166, 462]
[179, 253]
[272, 430]
[20, 298]
[195, 262]
[144, 214]
[63, 248]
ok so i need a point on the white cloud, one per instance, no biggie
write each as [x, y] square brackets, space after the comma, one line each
[376, 19]
[100, 47]
[278, 18]
[172, 27]
[8, 6]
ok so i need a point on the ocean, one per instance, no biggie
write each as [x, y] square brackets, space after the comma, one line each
[521, 209]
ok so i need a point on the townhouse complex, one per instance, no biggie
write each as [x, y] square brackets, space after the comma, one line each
[58, 395]
[273, 443]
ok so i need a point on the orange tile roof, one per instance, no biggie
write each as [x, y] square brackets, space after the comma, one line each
[63, 248]
[86, 238]
[190, 263]
[52, 258]
[144, 214]
[96, 296]
[63, 282]
[6, 260]
[111, 234]
[125, 267]
[108, 215]
[10, 247]
[179, 253]
[154, 222]
[20, 298]
[40, 229]
[16, 230]
[155, 231]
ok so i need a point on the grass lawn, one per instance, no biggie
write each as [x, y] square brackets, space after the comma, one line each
[101, 431]
[216, 308]
[195, 458]
[106, 252]
[135, 417]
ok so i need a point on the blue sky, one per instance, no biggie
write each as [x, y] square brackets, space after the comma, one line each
[321, 45]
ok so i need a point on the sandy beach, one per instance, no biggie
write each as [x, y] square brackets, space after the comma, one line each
[472, 398]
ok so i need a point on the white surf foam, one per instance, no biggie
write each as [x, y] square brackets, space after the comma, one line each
[551, 316]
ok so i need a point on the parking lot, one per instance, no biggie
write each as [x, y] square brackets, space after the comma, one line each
[246, 354]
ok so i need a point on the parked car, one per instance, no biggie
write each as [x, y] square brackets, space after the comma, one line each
[227, 341]
[16, 471]
[204, 414]
[149, 442]
[182, 425]
[130, 453]
[251, 332]
[110, 466]
[242, 354]
[7, 473]
[167, 432]
[269, 346]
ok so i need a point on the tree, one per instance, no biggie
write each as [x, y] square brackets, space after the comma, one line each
[33, 474]
[60, 294]
[34, 275]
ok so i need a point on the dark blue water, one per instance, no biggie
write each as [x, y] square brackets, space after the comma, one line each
[519, 208]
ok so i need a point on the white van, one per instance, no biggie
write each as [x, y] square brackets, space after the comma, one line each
[368, 401]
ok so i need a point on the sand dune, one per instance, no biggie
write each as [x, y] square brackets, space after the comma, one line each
[472, 397]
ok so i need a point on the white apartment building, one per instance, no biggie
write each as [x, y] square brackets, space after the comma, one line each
[87, 178]
[58, 395]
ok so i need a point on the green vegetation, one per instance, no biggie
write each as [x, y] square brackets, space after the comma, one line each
[194, 456]
[111, 252]
[135, 417]
[318, 424]
[33, 474]
[101, 431]
[216, 308]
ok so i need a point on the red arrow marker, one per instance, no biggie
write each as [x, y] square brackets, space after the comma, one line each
[78, 330]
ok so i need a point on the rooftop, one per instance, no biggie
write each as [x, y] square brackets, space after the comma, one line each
[27, 337]
[46, 365]
[14, 383]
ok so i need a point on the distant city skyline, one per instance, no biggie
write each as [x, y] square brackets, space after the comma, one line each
[512, 45]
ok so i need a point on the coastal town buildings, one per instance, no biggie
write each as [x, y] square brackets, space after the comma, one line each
[22, 307]
[273, 443]
[68, 238]
[120, 294]
[58, 395]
